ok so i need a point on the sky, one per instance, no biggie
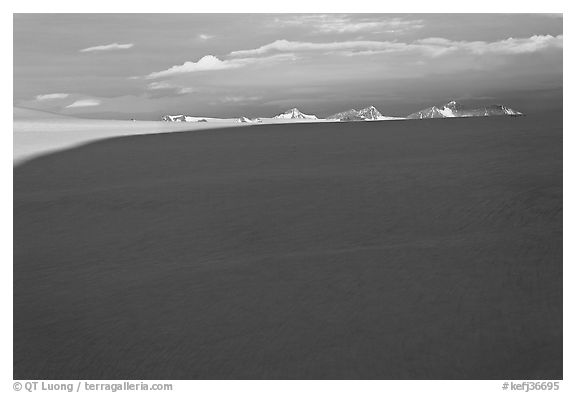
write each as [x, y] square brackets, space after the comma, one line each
[142, 66]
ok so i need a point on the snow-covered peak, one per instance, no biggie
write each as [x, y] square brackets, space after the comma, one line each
[294, 113]
[432, 112]
[447, 112]
[370, 113]
[451, 109]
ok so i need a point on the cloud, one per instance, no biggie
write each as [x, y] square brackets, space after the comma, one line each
[159, 86]
[186, 90]
[239, 99]
[510, 46]
[84, 103]
[107, 47]
[294, 46]
[212, 63]
[432, 46]
[164, 85]
[334, 23]
[206, 63]
[205, 36]
[52, 96]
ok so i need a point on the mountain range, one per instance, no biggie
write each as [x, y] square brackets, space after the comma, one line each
[454, 109]
[370, 113]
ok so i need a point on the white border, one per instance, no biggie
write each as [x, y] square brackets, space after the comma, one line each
[303, 6]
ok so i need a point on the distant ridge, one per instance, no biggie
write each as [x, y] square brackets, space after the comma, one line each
[454, 109]
[368, 113]
[197, 119]
[244, 119]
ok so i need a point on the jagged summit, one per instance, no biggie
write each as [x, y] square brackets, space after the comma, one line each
[432, 112]
[294, 113]
[452, 108]
[368, 113]
[499, 109]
